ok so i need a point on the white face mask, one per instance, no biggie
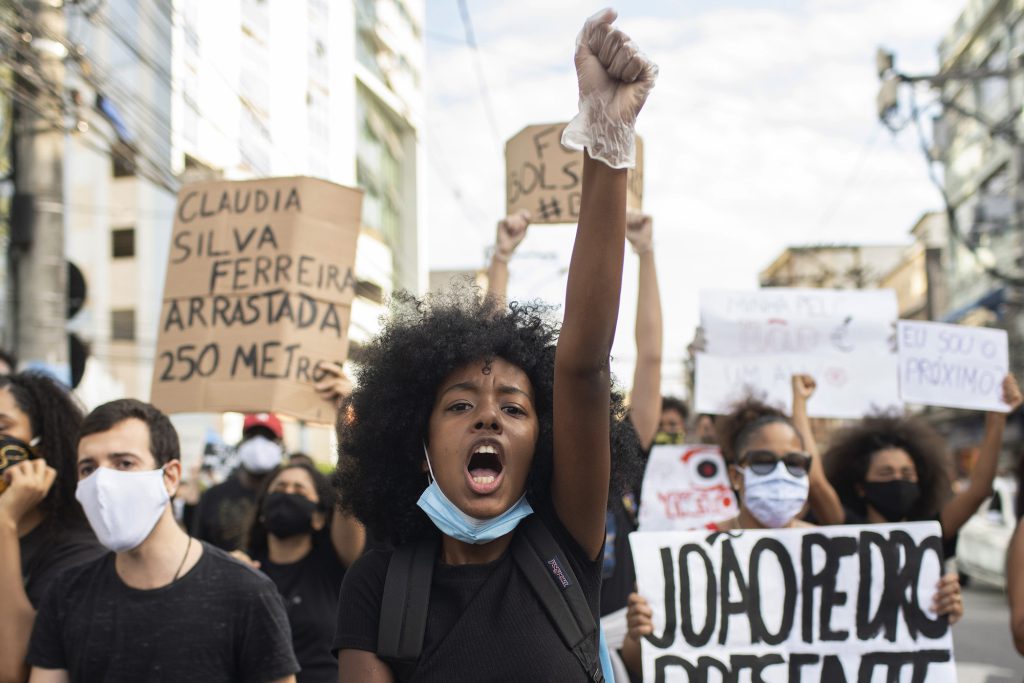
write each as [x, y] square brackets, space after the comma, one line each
[123, 507]
[259, 454]
[774, 498]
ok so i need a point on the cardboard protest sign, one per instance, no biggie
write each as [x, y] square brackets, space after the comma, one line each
[544, 178]
[848, 387]
[844, 603]
[685, 487]
[953, 365]
[755, 340]
[258, 294]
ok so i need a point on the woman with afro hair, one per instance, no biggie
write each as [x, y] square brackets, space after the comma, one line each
[466, 420]
[891, 468]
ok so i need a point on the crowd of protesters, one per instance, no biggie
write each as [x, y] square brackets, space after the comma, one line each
[479, 441]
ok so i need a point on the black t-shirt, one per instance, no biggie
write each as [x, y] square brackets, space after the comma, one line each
[484, 622]
[222, 621]
[45, 553]
[224, 514]
[310, 589]
[618, 572]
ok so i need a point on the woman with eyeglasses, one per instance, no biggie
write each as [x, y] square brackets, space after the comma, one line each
[772, 467]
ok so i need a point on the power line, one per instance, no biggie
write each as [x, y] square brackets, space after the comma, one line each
[485, 94]
[858, 166]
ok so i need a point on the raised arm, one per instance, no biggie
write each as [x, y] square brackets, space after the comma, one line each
[645, 399]
[823, 499]
[348, 537]
[1015, 586]
[511, 231]
[959, 509]
[614, 80]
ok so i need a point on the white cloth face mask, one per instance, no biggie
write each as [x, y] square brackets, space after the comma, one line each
[259, 454]
[774, 498]
[123, 507]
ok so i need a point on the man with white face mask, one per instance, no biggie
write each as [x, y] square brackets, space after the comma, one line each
[224, 511]
[161, 606]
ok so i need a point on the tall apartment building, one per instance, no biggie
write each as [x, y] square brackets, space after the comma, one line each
[170, 91]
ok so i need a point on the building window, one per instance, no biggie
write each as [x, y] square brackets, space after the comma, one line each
[122, 243]
[122, 324]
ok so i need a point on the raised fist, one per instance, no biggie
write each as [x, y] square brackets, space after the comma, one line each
[614, 81]
[1011, 393]
[511, 231]
[639, 231]
[803, 386]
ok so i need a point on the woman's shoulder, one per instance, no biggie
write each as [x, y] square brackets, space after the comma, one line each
[370, 569]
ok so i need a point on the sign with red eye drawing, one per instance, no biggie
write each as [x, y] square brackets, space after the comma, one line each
[685, 487]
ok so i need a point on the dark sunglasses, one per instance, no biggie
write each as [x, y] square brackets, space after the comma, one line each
[765, 462]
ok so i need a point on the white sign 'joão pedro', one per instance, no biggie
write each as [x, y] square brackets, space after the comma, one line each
[953, 365]
[833, 604]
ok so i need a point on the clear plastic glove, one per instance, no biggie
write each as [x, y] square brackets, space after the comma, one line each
[511, 231]
[639, 231]
[614, 80]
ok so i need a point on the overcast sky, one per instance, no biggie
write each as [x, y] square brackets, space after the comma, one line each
[761, 133]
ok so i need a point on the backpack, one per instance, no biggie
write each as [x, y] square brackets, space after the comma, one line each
[406, 599]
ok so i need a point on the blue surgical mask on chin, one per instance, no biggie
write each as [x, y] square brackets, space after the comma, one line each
[453, 522]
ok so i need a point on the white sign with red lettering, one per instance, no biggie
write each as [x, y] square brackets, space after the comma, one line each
[685, 487]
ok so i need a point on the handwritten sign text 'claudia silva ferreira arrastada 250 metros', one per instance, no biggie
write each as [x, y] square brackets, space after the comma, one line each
[258, 295]
[832, 604]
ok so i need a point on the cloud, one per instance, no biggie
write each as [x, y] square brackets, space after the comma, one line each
[760, 134]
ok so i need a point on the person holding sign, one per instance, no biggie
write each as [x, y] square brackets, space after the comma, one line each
[477, 439]
[42, 528]
[770, 466]
[889, 468]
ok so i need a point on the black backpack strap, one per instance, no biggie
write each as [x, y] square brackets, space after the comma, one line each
[546, 568]
[404, 605]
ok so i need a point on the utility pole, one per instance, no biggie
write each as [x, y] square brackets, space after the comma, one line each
[39, 270]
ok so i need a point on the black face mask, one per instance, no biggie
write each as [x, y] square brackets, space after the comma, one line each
[893, 499]
[12, 451]
[288, 514]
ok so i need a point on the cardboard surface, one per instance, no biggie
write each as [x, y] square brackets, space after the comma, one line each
[545, 179]
[259, 291]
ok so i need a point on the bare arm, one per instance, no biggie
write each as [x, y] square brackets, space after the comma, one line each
[823, 499]
[28, 483]
[645, 400]
[360, 666]
[1015, 586]
[511, 231]
[348, 537]
[614, 80]
[959, 509]
[50, 676]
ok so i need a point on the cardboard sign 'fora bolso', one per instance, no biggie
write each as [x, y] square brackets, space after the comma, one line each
[545, 179]
[258, 294]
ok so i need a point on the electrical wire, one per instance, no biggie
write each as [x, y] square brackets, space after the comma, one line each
[485, 93]
[954, 227]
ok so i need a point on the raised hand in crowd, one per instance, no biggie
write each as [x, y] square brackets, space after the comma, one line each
[511, 232]
[645, 398]
[335, 386]
[959, 509]
[822, 498]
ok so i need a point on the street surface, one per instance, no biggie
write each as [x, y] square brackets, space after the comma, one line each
[982, 644]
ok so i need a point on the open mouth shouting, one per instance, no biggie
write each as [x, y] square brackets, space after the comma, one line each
[484, 469]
